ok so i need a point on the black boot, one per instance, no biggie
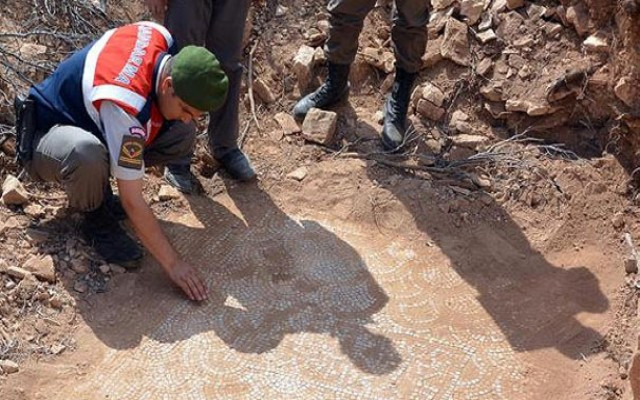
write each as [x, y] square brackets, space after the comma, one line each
[395, 110]
[111, 242]
[114, 205]
[332, 91]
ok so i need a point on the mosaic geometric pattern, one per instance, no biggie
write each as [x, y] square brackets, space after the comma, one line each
[305, 309]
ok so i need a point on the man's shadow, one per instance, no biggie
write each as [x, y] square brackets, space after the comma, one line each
[533, 302]
[268, 276]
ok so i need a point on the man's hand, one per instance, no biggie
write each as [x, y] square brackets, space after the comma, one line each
[158, 8]
[186, 276]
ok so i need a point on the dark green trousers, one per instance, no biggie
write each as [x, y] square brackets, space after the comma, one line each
[409, 31]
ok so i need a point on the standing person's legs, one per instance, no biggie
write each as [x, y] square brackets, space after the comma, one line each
[76, 159]
[173, 142]
[347, 18]
[188, 22]
[224, 39]
[346, 21]
[409, 33]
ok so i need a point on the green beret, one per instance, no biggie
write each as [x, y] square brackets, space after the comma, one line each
[198, 78]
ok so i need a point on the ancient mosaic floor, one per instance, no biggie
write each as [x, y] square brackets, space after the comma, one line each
[310, 309]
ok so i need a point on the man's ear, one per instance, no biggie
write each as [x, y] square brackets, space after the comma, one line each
[166, 84]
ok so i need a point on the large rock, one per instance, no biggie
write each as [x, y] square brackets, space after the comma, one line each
[380, 58]
[433, 94]
[263, 91]
[459, 122]
[32, 50]
[303, 65]
[440, 4]
[432, 54]
[578, 16]
[319, 126]
[42, 267]
[168, 192]
[626, 91]
[469, 141]
[13, 193]
[513, 4]
[429, 110]
[8, 367]
[472, 10]
[456, 43]
[596, 43]
[287, 123]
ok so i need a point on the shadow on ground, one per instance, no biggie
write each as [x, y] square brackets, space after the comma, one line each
[269, 276]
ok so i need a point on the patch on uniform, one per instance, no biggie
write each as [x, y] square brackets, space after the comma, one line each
[137, 131]
[131, 152]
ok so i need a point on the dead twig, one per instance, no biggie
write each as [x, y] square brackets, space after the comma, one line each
[250, 86]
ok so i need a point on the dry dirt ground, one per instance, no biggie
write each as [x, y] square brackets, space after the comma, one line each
[363, 275]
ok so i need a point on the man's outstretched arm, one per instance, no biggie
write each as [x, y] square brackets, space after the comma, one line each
[150, 233]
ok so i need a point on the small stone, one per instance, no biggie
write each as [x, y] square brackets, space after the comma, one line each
[456, 43]
[13, 193]
[486, 22]
[469, 141]
[433, 94]
[303, 64]
[596, 43]
[459, 122]
[492, 91]
[104, 269]
[513, 4]
[32, 50]
[440, 4]
[17, 272]
[387, 84]
[34, 210]
[380, 58]
[481, 181]
[319, 126]
[8, 367]
[79, 266]
[536, 11]
[515, 105]
[631, 265]
[287, 123]
[552, 29]
[379, 117]
[56, 302]
[486, 36]
[58, 348]
[626, 91]
[263, 91]
[299, 174]
[578, 16]
[117, 269]
[42, 267]
[168, 192]
[319, 57]
[539, 109]
[618, 221]
[472, 10]
[483, 68]
[281, 10]
[80, 286]
[429, 110]
[432, 54]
